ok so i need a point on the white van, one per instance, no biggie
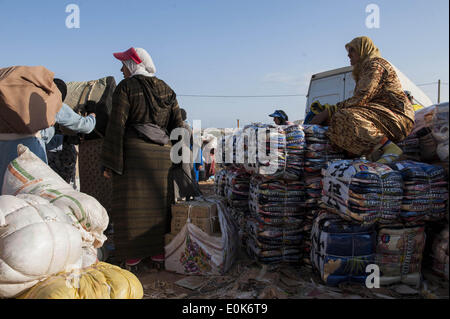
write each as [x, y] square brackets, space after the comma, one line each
[337, 85]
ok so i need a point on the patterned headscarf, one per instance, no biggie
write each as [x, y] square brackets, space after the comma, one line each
[366, 49]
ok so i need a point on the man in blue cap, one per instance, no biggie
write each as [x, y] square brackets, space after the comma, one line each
[280, 118]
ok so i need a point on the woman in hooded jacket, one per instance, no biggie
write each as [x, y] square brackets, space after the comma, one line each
[139, 166]
[378, 115]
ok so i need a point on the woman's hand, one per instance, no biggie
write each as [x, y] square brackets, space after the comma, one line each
[107, 173]
[320, 118]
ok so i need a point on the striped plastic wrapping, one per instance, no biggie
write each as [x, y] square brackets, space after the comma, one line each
[362, 191]
[219, 182]
[341, 250]
[236, 191]
[274, 151]
[425, 191]
[318, 153]
[275, 228]
[399, 254]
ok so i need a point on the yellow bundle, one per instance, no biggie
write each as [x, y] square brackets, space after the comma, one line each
[100, 281]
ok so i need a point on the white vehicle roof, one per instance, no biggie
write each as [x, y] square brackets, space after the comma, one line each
[329, 94]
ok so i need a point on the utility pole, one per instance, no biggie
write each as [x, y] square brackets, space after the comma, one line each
[238, 123]
[439, 91]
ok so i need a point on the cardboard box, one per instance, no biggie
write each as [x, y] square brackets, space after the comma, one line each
[198, 209]
[203, 215]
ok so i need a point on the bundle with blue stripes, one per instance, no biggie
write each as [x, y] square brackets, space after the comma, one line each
[341, 250]
[280, 154]
[425, 191]
[362, 191]
[275, 229]
[237, 196]
[319, 152]
[220, 182]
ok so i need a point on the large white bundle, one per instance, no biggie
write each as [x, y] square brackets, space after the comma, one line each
[37, 240]
[27, 174]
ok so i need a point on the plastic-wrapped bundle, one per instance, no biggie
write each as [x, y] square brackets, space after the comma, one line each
[440, 130]
[341, 250]
[273, 244]
[219, 182]
[237, 194]
[425, 191]
[319, 151]
[434, 118]
[399, 254]
[237, 188]
[286, 158]
[277, 202]
[410, 147]
[363, 191]
[440, 253]
[229, 149]
[275, 232]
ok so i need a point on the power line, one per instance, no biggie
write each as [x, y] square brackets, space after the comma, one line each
[424, 84]
[240, 96]
[431, 83]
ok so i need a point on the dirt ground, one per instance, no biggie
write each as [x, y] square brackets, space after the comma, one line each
[250, 280]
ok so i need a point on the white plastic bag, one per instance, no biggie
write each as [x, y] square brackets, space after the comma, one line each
[193, 252]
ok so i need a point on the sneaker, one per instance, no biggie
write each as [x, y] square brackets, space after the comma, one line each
[158, 258]
[132, 262]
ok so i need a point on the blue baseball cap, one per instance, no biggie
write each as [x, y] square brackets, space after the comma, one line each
[279, 113]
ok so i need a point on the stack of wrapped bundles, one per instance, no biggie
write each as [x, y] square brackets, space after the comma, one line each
[362, 191]
[319, 151]
[341, 250]
[220, 182]
[411, 148]
[230, 149]
[237, 194]
[275, 151]
[275, 228]
[440, 253]
[399, 254]
[425, 191]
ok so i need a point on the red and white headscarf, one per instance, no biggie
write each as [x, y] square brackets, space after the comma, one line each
[138, 61]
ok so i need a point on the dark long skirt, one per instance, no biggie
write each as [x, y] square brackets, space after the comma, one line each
[140, 205]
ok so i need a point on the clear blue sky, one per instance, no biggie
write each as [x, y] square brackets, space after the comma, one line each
[212, 47]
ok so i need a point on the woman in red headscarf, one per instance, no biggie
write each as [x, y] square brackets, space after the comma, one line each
[140, 162]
